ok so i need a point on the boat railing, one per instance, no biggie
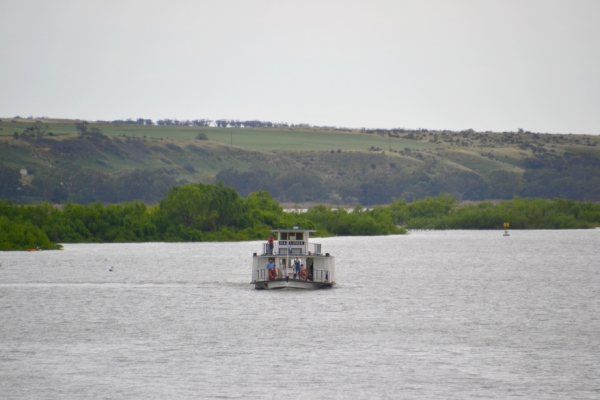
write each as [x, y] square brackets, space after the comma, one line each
[321, 275]
[265, 249]
[262, 275]
[312, 249]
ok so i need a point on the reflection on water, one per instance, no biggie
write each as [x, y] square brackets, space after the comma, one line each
[426, 315]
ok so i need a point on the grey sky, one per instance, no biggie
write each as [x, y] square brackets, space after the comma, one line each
[486, 65]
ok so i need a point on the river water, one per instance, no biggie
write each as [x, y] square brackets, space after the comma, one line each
[428, 315]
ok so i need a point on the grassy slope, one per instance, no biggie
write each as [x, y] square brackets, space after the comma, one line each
[251, 139]
[285, 149]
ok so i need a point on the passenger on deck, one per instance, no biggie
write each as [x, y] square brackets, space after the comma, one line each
[303, 274]
[270, 267]
[296, 267]
[279, 269]
[271, 239]
[285, 272]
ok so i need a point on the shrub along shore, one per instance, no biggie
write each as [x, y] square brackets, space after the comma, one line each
[199, 212]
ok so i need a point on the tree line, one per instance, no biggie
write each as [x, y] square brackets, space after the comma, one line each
[195, 212]
[236, 123]
[444, 212]
[203, 212]
[219, 123]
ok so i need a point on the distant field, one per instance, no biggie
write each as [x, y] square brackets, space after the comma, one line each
[305, 140]
[251, 139]
[467, 148]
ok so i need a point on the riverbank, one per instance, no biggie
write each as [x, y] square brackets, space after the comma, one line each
[211, 213]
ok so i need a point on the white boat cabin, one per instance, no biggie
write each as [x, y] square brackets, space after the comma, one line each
[276, 268]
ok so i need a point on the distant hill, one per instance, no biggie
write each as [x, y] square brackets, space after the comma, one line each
[73, 160]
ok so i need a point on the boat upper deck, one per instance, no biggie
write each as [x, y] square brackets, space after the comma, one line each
[292, 242]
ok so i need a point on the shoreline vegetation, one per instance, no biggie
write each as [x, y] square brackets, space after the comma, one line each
[206, 212]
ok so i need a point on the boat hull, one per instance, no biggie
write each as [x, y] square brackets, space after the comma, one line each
[291, 284]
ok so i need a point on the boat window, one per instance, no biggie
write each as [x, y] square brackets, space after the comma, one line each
[283, 235]
[299, 235]
[292, 236]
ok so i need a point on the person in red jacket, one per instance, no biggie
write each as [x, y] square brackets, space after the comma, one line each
[271, 239]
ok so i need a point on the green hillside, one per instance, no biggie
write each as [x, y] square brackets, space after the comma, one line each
[68, 160]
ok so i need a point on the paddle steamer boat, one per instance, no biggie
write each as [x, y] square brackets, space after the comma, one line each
[289, 244]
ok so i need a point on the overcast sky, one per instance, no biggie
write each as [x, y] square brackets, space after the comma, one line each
[481, 64]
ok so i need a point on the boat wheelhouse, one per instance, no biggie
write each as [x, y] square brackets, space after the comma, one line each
[275, 267]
